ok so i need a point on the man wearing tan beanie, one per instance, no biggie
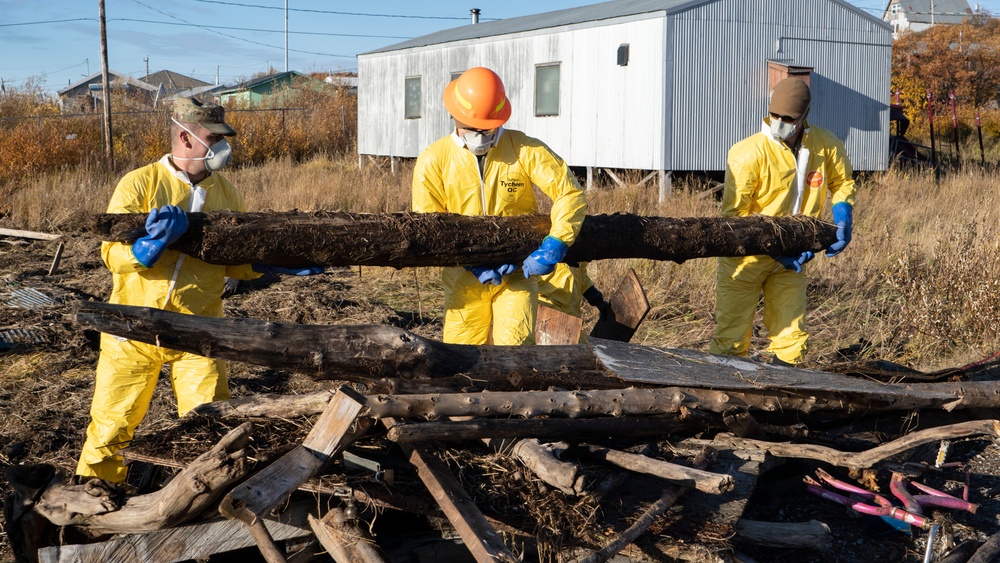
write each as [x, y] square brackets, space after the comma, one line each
[788, 168]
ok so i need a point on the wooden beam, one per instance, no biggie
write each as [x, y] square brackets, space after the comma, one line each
[704, 481]
[28, 234]
[257, 495]
[555, 328]
[182, 543]
[628, 308]
[483, 541]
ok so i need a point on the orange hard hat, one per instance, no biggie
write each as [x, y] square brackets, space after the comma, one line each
[477, 99]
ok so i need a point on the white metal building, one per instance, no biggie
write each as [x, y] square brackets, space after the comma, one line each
[659, 85]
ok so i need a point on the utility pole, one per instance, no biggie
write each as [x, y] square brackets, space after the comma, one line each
[217, 75]
[146, 58]
[286, 35]
[109, 154]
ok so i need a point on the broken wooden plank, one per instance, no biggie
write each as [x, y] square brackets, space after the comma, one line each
[343, 540]
[330, 238]
[483, 541]
[182, 543]
[629, 307]
[28, 234]
[724, 511]
[266, 488]
[554, 328]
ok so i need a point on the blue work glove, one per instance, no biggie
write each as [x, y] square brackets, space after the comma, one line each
[843, 217]
[795, 262]
[486, 274]
[303, 271]
[163, 227]
[544, 260]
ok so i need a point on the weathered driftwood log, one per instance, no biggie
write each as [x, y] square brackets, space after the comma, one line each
[704, 481]
[542, 461]
[790, 535]
[343, 539]
[859, 460]
[548, 428]
[445, 239]
[359, 353]
[185, 496]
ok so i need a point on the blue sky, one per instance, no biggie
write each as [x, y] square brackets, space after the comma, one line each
[58, 41]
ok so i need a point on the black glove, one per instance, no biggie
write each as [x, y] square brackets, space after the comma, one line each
[596, 300]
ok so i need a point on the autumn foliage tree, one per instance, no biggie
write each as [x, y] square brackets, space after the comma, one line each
[962, 58]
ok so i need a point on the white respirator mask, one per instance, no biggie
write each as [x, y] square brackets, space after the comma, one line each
[782, 131]
[218, 154]
[479, 142]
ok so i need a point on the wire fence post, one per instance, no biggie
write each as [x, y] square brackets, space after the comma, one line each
[979, 132]
[930, 120]
[954, 127]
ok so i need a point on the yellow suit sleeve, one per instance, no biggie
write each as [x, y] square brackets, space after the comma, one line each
[569, 204]
[428, 185]
[841, 182]
[130, 196]
[742, 178]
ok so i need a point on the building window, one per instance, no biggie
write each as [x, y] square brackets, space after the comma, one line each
[412, 103]
[547, 90]
[894, 8]
[456, 74]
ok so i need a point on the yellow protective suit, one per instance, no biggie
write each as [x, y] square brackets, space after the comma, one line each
[563, 288]
[447, 179]
[763, 176]
[127, 371]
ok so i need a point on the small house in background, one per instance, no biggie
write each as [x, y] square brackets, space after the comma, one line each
[346, 80]
[272, 87]
[918, 15]
[87, 95]
[655, 85]
[172, 83]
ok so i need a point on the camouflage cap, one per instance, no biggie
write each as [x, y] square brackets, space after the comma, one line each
[209, 116]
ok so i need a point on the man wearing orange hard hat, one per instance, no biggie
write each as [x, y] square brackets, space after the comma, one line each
[482, 169]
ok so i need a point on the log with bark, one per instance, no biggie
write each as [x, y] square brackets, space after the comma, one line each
[443, 239]
[395, 360]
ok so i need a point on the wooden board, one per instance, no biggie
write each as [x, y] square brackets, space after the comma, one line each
[553, 328]
[182, 543]
[628, 308]
[257, 495]
[28, 234]
[682, 367]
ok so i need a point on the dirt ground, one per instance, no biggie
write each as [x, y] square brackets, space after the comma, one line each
[46, 381]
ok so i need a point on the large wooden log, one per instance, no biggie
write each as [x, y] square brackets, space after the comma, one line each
[359, 353]
[444, 239]
[371, 353]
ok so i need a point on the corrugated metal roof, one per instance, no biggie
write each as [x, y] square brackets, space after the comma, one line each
[945, 11]
[569, 16]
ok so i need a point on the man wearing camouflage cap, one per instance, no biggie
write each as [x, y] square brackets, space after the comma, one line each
[148, 273]
[788, 168]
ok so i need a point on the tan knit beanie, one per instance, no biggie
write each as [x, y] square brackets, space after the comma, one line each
[790, 97]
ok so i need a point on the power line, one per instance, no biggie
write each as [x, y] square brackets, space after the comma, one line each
[264, 30]
[242, 5]
[49, 21]
[206, 28]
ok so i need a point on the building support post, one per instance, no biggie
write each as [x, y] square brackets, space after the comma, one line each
[590, 177]
[666, 184]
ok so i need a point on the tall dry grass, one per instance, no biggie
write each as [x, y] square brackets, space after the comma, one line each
[919, 282]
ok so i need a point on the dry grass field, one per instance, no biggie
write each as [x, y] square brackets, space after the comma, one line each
[919, 283]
